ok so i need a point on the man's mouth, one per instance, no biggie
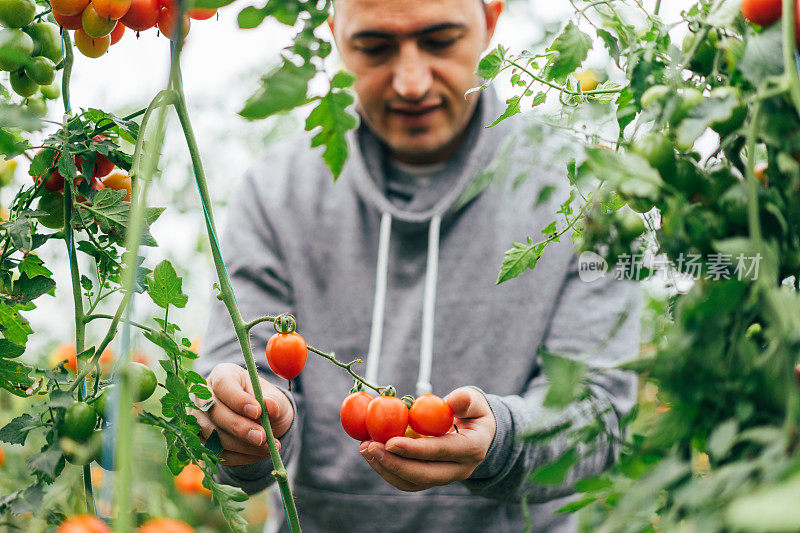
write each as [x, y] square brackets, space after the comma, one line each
[417, 116]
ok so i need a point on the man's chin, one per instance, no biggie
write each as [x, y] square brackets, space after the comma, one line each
[420, 150]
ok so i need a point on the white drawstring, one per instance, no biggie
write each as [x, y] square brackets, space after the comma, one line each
[428, 309]
[379, 305]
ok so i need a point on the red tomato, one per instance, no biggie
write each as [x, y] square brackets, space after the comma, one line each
[168, 23]
[761, 12]
[142, 15]
[202, 14]
[54, 180]
[286, 354]
[797, 373]
[68, 7]
[353, 415]
[387, 417]
[102, 166]
[69, 22]
[85, 523]
[430, 415]
[165, 525]
[2, 457]
[190, 480]
[112, 9]
[116, 33]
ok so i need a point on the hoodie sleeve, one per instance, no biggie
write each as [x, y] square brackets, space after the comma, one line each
[585, 320]
[260, 277]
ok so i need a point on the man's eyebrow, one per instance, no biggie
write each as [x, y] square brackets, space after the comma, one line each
[376, 34]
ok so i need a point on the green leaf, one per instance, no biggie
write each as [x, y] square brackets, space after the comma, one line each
[772, 508]
[333, 119]
[629, 173]
[16, 431]
[760, 59]
[511, 110]
[230, 504]
[593, 484]
[518, 259]
[571, 48]
[342, 79]
[251, 17]
[704, 114]
[15, 377]
[282, 89]
[565, 376]
[49, 462]
[26, 289]
[165, 287]
[490, 64]
[13, 326]
[177, 388]
[576, 505]
[556, 472]
[208, 4]
[10, 350]
[722, 439]
[33, 266]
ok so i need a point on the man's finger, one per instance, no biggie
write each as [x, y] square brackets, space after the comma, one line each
[229, 391]
[417, 472]
[467, 402]
[453, 447]
[230, 458]
[389, 477]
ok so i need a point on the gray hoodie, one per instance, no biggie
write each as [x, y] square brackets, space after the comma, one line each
[412, 292]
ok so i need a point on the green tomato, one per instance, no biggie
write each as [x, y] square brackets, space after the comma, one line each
[653, 95]
[53, 204]
[22, 84]
[52, 91]
[41, 70]
[16, 48]
[79, 422]
[629, 225]
[738, 115]
[657, 149]
[689, 98]
[105, 460]
[17, 13]
[101, 401]
[37, 106]
[641, 205]
[686, 178]
[703, 60]
[46, 40]
[142, 379]
[733, 204]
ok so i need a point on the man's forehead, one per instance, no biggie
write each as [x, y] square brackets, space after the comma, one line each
[399, 17]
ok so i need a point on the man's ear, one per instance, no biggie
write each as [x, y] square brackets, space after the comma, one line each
[492, 12]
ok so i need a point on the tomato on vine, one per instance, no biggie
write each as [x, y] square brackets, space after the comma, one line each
[387, 417]
[762, 12]
[119, 181]
[168, 23]
[68, 7]
[142, 379]
[112, 9]
[165, 525]
[286, 354]
[85, 523]
[142, 15]
[90, 46]
[96, 25]
[430, 415]
[190, 480]
[69, 22]
[200, 13]
[353, 414]
[117, 33]
[79, 422]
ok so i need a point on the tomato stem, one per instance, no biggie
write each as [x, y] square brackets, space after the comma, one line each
[347, 366]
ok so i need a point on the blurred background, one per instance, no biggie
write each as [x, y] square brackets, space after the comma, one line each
[221, 67]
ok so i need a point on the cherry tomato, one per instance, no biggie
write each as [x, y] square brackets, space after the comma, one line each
[85, 523]
[52, 204]
[89, 46]
[117, 32]
[68, 7]
[190, 480]
[762, 12]
[168, 23]
[111, 9]
[199, 13]
[119, 181]
[54, 180]
[286, 354]
[142, 15]
[353, 415]
[79, 422]
[69, 22]
[387, 417]
[94, 24]
[143, 381]
[102, 166]
[430, 415]
[165, 525]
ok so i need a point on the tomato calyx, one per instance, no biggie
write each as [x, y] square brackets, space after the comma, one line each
[408, 400]
[285, 323]
[389, 391]
[357, 387]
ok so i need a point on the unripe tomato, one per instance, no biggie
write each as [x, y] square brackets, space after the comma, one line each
[654, 95]
[117, 32]
[22, 84]
[119, 181]
[85, 523]
[52, 204]
[111, 9]
[142, 15]
[629, 225]
[69, 22]
[387, 417]
[142, 379]
[657, 149]
[286, 354]
[16, 48]
[17, 13]
[94, 24]
[168, 23]
[46, 40]
[199, 13]
[353, 415]
[190, 480]
[430, 415]
[41, 70]
[79, 422]
[68, 7]
[689, 98]
[165, 525]
[589, 79]
[91, 47]
[762, 12]
[738, 115]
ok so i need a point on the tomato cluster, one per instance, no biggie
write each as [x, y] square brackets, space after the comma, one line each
[87, 523]
[100, 23]
[29, 51]
[365, 417]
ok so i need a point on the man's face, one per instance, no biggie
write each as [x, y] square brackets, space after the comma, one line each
[414, 60]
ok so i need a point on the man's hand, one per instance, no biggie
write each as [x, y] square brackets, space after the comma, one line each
[418, 464]
[236, 415]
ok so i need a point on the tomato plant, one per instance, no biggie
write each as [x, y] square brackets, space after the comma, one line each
[387, 417]
[430, 415]
[353, 414]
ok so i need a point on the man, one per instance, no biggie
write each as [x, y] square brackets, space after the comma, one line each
[398, 261]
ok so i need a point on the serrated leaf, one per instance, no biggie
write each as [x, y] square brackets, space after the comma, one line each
[26, 289]
[165, 287]
[175, 386]
[629, 173]
[33, 266]
[512, 108]
[49, 462]
[571, 48]
[15, 377]
[13, 326]
[333, 119]
[518, 259]
[565, 376]
[229, 499]
[760, 59]
[490, 64]
[282, 89]
[16, 431]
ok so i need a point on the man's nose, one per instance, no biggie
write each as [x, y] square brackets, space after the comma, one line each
[412, 75]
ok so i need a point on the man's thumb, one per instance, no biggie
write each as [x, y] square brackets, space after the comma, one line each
[466, 402]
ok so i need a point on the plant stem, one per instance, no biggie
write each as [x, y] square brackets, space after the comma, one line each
[562, 88]
[347, 366]
[89, 318]
[753, 222]
[65, 77]
[789, 46]
[228, 297]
